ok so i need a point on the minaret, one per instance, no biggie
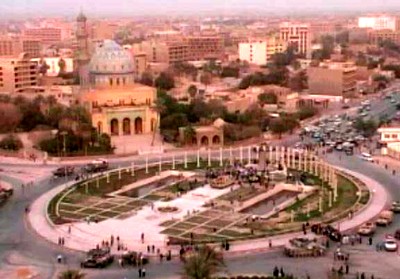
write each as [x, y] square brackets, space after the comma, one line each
[83, 48]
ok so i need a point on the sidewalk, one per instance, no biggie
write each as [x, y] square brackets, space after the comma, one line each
[388, 163]
[85, 237]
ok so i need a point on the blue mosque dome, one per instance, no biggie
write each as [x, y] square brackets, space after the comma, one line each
[110, 58]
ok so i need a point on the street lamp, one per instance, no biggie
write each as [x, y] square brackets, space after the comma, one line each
[64, 133]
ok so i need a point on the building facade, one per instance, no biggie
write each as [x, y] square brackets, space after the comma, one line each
[117, 105]
[260, 52]
[332, 78]
[14, 46]
[18, 74]
[381, 22]
[205, 47]
[297, 35]
[47, 35]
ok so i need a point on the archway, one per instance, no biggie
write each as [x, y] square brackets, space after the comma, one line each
[126, 126]
[138, 125]
[114, 127]
[99, 127]
[216, 139]
[204, 140]
[194, 140]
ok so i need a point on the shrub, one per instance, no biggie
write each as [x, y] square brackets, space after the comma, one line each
[11, 142]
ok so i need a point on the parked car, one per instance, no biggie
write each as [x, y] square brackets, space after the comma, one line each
[64, 171]
[367, 157]
[98, 258]
[390, 244]
[97, 166]
[385, 218]
[134, 258]
[396, 207]
[367, 229]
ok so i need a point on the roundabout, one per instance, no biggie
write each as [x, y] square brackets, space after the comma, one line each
[210, 199]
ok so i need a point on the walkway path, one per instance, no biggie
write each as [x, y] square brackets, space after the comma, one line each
[84, 236]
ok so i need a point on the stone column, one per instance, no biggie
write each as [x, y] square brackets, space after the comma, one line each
[133, 168]
[221, 161]
[173, 161]
[185, 160]
[241, 154]
[306, 161]
[276, 154]
[147, 164]
[198, 158]
[288, 157]
[231, 158]
[249, 154]
[209, 157]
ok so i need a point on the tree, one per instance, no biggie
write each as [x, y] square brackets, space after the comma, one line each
[267, 98]
[306, 112]
[189, 134]
[229, 71]
[366, 127]
[10, 117]
[192, 90]
[392, 67]
[206, 78]
[11, 142]
[165, 81]
[71, 274]
[146, 79]
[202, 264]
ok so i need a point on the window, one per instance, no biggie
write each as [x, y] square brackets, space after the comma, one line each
[123, 81]
[110, 80]
[387, 136]
[394, 136]
[117, 81]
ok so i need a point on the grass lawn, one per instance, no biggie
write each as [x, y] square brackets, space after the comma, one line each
[197, 220]
[184, 226]
[90, 211]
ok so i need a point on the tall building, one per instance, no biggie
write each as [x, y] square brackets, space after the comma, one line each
[376, 36]
[17, 74]
[205, 47]
[82, 49]
[14, 46]
[333, 79]
[117, 105]
[47, 35]
[297, 35]
[261, 51]
[163, 52]
[381, 22]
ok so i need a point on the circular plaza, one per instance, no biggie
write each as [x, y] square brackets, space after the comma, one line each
[248, 197]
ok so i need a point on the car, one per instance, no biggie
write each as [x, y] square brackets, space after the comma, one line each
[345, 106]
[395, 207]
[385, 218]
[393, 101]
[367, 157]
[367, 229]
[339, 147]
[390, 244]
[64, 171]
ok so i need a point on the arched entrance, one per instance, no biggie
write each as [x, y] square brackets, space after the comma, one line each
[126, 126]
[204, 140]
[99, 127]
[138, 125]
[216, 140]
[194, 141]
[114, 127]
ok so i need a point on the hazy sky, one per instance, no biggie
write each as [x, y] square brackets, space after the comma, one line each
[68, 7]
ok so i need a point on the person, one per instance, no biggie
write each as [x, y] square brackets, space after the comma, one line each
[370, 240]
[347, 269]
[140, 272]
[69, 229]
[143, 272]
[270, 243]
[362, 276]
[153, 248]
[275, 272]
[142, 237]
[59, 258]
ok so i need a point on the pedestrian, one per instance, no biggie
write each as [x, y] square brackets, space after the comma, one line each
[362, 276]
[161, 257]
[275, 272]
[143, 272]
[112, 240]
[370, 241]
[62, 241]
[142, 237]
[282, 274]
[377, 247]
[140, 273]
[270, 243]
[121, 263]
[347, 269]
[69, 229]
[148, 248]
[153, 248]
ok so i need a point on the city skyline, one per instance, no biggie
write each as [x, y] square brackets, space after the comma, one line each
[142, 7]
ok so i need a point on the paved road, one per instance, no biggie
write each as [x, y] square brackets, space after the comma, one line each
[20, 246]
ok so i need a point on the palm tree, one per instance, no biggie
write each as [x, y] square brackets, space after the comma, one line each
[202, 264]
[71, 274]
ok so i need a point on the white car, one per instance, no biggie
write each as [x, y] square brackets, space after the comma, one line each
[367, 157]
[390, 245]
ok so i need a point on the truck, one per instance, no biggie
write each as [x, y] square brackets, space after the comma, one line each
[385, 218]
[97, 258]
[97, 166]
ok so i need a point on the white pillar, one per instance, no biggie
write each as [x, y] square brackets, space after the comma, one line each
[160, 165]
[87, 188]
[308, 209]
[270, 154]
[292, 216]
[147, 164]
[133, 168]
[198, 158]
[185, 160]
[320, 204]
[241, 154]
[108, 177]
[330, 198]
[173, 161]
[335, 187]
[209, 157]
[97, 182]
[231, 156]
[119, 173]
[276, 154]
[249, 154]
[221, 161]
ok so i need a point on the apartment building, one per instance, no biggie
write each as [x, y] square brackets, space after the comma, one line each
[14, 46]
[47, 35]
[333, 79]
[297, 35]
[380, 22]
[261, 51]
[205, 47]
[163, 52]
[17, 74]
[376, 36]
